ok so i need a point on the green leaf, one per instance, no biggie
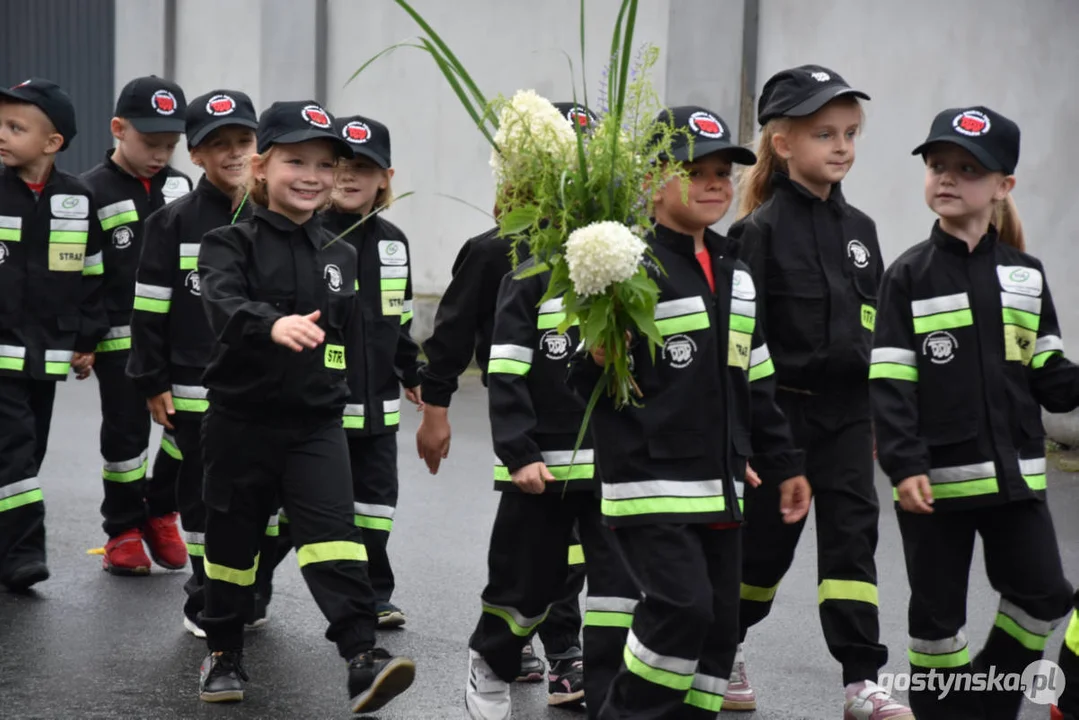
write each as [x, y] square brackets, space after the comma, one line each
[597, 391]
[518, 220]
[379, 54]
[584, 75]
[537, 269]
[367, 217]
[451, 78]
[465, 202]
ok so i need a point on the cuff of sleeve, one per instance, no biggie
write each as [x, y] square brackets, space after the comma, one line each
[150, 387]
[780, 466]
[898, 475]
[411, 378]
[516, 463]
[85, 344]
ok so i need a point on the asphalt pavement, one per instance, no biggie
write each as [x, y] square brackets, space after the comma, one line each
[95, 647]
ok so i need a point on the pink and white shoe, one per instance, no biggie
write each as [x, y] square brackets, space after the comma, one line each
[869, 701]
[740, 695]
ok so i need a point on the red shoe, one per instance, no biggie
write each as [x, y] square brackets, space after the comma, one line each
[167, 548]
[124, 555]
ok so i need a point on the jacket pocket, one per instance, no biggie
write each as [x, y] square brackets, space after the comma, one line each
[339, 311]
[949, 431]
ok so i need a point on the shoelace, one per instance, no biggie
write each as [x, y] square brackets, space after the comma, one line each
[227, 663]
[370, 657]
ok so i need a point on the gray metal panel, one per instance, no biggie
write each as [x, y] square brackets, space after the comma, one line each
[71, 42]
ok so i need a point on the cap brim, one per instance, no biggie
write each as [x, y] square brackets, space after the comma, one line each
[736, 153]
[157, 125]
[359, 150]
[816, 102]
[299, 136]
[4, 92]
[203, 132]
[988, 161]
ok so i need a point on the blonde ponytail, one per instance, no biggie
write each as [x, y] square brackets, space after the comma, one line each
[1009, 227]
[755, 182]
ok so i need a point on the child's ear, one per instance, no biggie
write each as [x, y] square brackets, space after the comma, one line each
[781, 145]
[1007, 184]
[118, 126]
[53, 143]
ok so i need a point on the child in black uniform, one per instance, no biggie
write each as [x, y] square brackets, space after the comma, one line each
[281, 298]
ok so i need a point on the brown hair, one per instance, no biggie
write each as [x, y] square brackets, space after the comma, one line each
[257, 190]
[383, 196]
[755, 182]
[1009, 227]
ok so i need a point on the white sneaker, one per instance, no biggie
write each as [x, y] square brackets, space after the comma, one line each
[869, 701]
[193, 628]
[258, 623]
[487, 696]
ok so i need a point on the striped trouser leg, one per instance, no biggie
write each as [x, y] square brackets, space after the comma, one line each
[125, 435]
[186, 441]
[374, 485]
[22, 509]
[163, 480]
[1069, 664]
[561, 631]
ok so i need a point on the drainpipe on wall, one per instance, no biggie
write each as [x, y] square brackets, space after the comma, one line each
[169, 41]
[322, 51]
[747, 118]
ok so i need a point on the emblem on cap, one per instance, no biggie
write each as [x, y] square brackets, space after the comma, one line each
[164, 102]
[316, 116]
[972, 123]
[24, 83]
[578, 116]
[220, 105]
[706, 124]
[820, 76]
[356, 132]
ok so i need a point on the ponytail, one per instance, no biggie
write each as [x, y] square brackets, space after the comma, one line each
[755, 182]
[257, 191]
[1009, 228]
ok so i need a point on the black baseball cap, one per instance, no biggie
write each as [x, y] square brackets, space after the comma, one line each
[367, 137]
[801, 91]
[296, 121]
[215, 109]
[709, 133]
[152, 105]
[577, 114]
[987, 135]
[51, 99]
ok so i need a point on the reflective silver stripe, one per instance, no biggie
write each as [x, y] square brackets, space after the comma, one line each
[512, 352]
[744, 307]
[189, 249]
[169, 436]
[115, 209]
[563, 457]
[677, 665]
[1048, 342]
[710, 684]
[354, 410]
[195, 538]
[189, 392]
[739, 488]
[682, 306]
[126, 465]
[759, 355]
[521, 620]
[898, 356]
[381, 511]
[552, 306]
[662, 488]
[962, 473]
[407, 307]
[69, 225]
[1035, 466]
[942, 304]
[120, 331]
[12, 351]
[1021, 302]
[1025, 620]
[155, 292]
[11, 223]
[275, 520]
[391, 406]
[18, 488]
[92, 260]
[391, 271]
[939, 647]
[610, 604]
[58, 355]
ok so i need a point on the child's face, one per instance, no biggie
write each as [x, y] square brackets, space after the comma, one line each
[357, 184]
[146, 154]
[224, 156]
[957, 186]
[819, 149]
[299, 178]
[26, 134]
[709, 195]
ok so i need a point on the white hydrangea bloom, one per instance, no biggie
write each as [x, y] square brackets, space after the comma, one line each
[531, 124]
[601, 254]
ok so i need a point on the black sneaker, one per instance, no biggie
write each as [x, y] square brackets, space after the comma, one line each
[220, 677]
[389, 615]
[376, 677]
[26, 576]
[531, 666]
[565, 682]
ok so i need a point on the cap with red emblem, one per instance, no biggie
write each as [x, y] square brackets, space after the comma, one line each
[285, 123]
[703, 133]
[367, 137]
[215, 109]
[152, 105]
[987, 135]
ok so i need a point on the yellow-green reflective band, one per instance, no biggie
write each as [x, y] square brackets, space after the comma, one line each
[508, 367]
[970, 488]
[856, 590]
[30, 496]
[549, 321]
[1041, 358]
[1029, 640]
[170, 448]
[119, 219]
[406, 316]
[759, 372]
[97, 268]
[393, 284]
[869, 317]
[893, 371]
[576, 555]
[273, 530]
[67, 237]
[10, 234]
[741, 323]
[943, 321]
[600, 618]
[196, 550]
[656, 676]
[10, 363]
[754, 593]
[125, 476]
[374, 523]
[662, 506]
[683, 324]
[959, 658]
[1071, 637]
[152, 305]
[704, 700]
[331, 551]
[518, 624]
[189, 263]
[1035, 482]
[113, 345]
[190, 405]
[560, 472]
[353, 422]
[393, 418]
[57, 368]
[222, 573]
[1023, 319]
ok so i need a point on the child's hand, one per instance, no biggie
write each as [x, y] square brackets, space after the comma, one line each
[916, 494]
[298, 331]
[794, 497]
[532, 478]
[161, 408]
[752, 478]
[599, 353]
[82, 363]
[415, 396]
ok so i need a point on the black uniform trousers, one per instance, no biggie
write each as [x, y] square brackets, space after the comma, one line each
[1069, 663]
[837, 437]
[130, 496]
[25, 418]
[374, 486]
[528, 572]
[1023, 564]
[680, 650]
[251, 470]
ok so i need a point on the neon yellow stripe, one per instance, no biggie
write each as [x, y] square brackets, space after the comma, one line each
[125, 477]
[662, 506]
[125, 217]
[113, 345]
[704, 701]
[374, 523]
[759, 372]
[393, 284]
[393, 418]
[959, 658]
[576, 555]
[190, 405]
[222, 573]
[1041, 358]
[353, 422]
[683, 324]
[57, 368]
[1071, 638]
[561, 472]
[30, 496]
[743, 324]
[96, 269]
[273, 531]
[1022, 318]
[9, 363]
[855, 590]
[330, 552]
[67, 237]
[515, 628]
[1029, 640]
[1035, 482]
[508, 367]
[549, 321]
[195, 550]
[970, 488]
[152, 305]
[189, 263]
[405, 317]
[893, 371]
[597, 618]
[666, 678]
[943, 321]
[10, 234]
[758, 594]
[170, 449]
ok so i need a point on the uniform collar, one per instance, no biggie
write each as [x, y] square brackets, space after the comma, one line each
[155, 182]
[12, 175]
[207, 188]
[282, 224]
[836, 201]
[950, 243]
[339, 221]
[683, 244]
